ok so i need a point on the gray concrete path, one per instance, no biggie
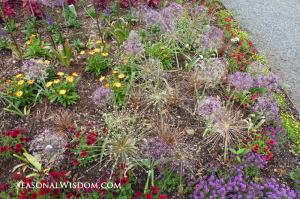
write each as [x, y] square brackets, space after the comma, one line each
[275, 25]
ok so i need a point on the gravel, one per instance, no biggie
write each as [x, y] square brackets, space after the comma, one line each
[275, 25]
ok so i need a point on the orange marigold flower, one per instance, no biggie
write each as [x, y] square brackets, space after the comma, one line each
[75, 74]
[106, 84]
[70, 79]
[8, 81]
[115, 72]
[30, 81]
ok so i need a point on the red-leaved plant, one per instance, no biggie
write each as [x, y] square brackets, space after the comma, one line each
[35, 8]
[71, 2]
[152, 3]
[8, 11]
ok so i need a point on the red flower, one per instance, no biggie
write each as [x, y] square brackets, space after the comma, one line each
[89, 143]
[56, 192]
[267, 157]
[117, 181]
[138, 194]
[71, 129]
[91, 124]
[154, 189]
[19, 146]
[102, 181]
[4, 133]
[84, 153]
[62, 172]
[163, 196]
[232, 97]
[70, 196]
[94, 139]
[245, 104]
[272, 131]
[43, 191]
[27, 140]
[75, 162]
[16, 132]
[65, 179]
[13, 136]
[258, 137]
[3, 149]
[266, 150]
[269, 147]
[103, 191]
[105, 130]
[247, 140]
[124, 180]
[77, 135]
[34, 196]
[148, 196]
[22, 139]
[91, 136]
[270, 155]
[24, 130]
[263, 132]
[228, 96]
[272, 142]
[17, 151]
[256, 146]
[255, 149]
[239, 99]
[17, 176]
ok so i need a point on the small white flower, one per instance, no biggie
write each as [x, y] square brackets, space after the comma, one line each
[201, 57]
[234, 39]
[48, 147]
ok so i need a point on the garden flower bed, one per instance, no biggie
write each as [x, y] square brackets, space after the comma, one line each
[140, 99]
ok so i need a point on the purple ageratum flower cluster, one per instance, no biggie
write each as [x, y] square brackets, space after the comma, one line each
[157, 149]
[278, 134]
[102, 95]
[241, 80]
[267, 106]
[234, 184]
[252, 163]
[49, 19]
[34, 71]
[209, 108]
[270, 82]
[52, 3]
[133, 44]
[211, 38]
[212, 70]
[2, 33]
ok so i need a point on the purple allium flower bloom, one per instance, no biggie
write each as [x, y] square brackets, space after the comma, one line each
[267, 106]
[102, 96]
[209, 108]
[211, 38]
[133, 44]
[33, 70]
[257, 68]
[270, 82]
[241, 80]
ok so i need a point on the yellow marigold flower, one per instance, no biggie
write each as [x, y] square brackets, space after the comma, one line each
[106, 84]
[121, 76]
[62, 92]
[7, 91]
[33, 36]
[19, 75]
[98, 42]
[49, 84]
[102, 78]
[39, 61]
[115, 72]
[117, 84]
[29, 42]
[70, 79]
[57, 81]
[97, 50]
[19, 93]
[8, 81]
[75, 74]
[162, 47]
[47, 62]
[60, 74]
[104, 54]
[82, 52]
[92, 53]
[30, 81]
[125, 61]
[21, 82]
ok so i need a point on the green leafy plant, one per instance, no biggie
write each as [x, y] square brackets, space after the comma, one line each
[36, 48]
[241, 152]
[78, 44]
[97, 61]
[158, 50]
[119, 29]
[91, 13]
[31, 27]
[70, 13]
[12, 25]
[4, 41]
[63, 91]
[292, 126]
[64, 53]
[59, 39]
[295, 176]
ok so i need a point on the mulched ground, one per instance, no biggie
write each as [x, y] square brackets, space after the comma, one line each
[85, 111]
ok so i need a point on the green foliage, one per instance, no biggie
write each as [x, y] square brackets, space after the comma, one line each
[119, 29]
[143, 35]
[259, 57]
[168, 180]
[179, 1]
[12, 26]
[78, 44]
[281, 98]
[241, 152]
[292, 126]
[4, 41]
[159, 51]
[240, 34]
[91, 13]
[63, 92]
[81, 3]
[30, 27]
[71, 15]
[58, 39]
[295, 176]
[64, 54]
[98, 62]
[36, 48]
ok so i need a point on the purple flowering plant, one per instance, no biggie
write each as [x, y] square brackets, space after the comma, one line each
[4, 41]
[102, 96]
[133, 45]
